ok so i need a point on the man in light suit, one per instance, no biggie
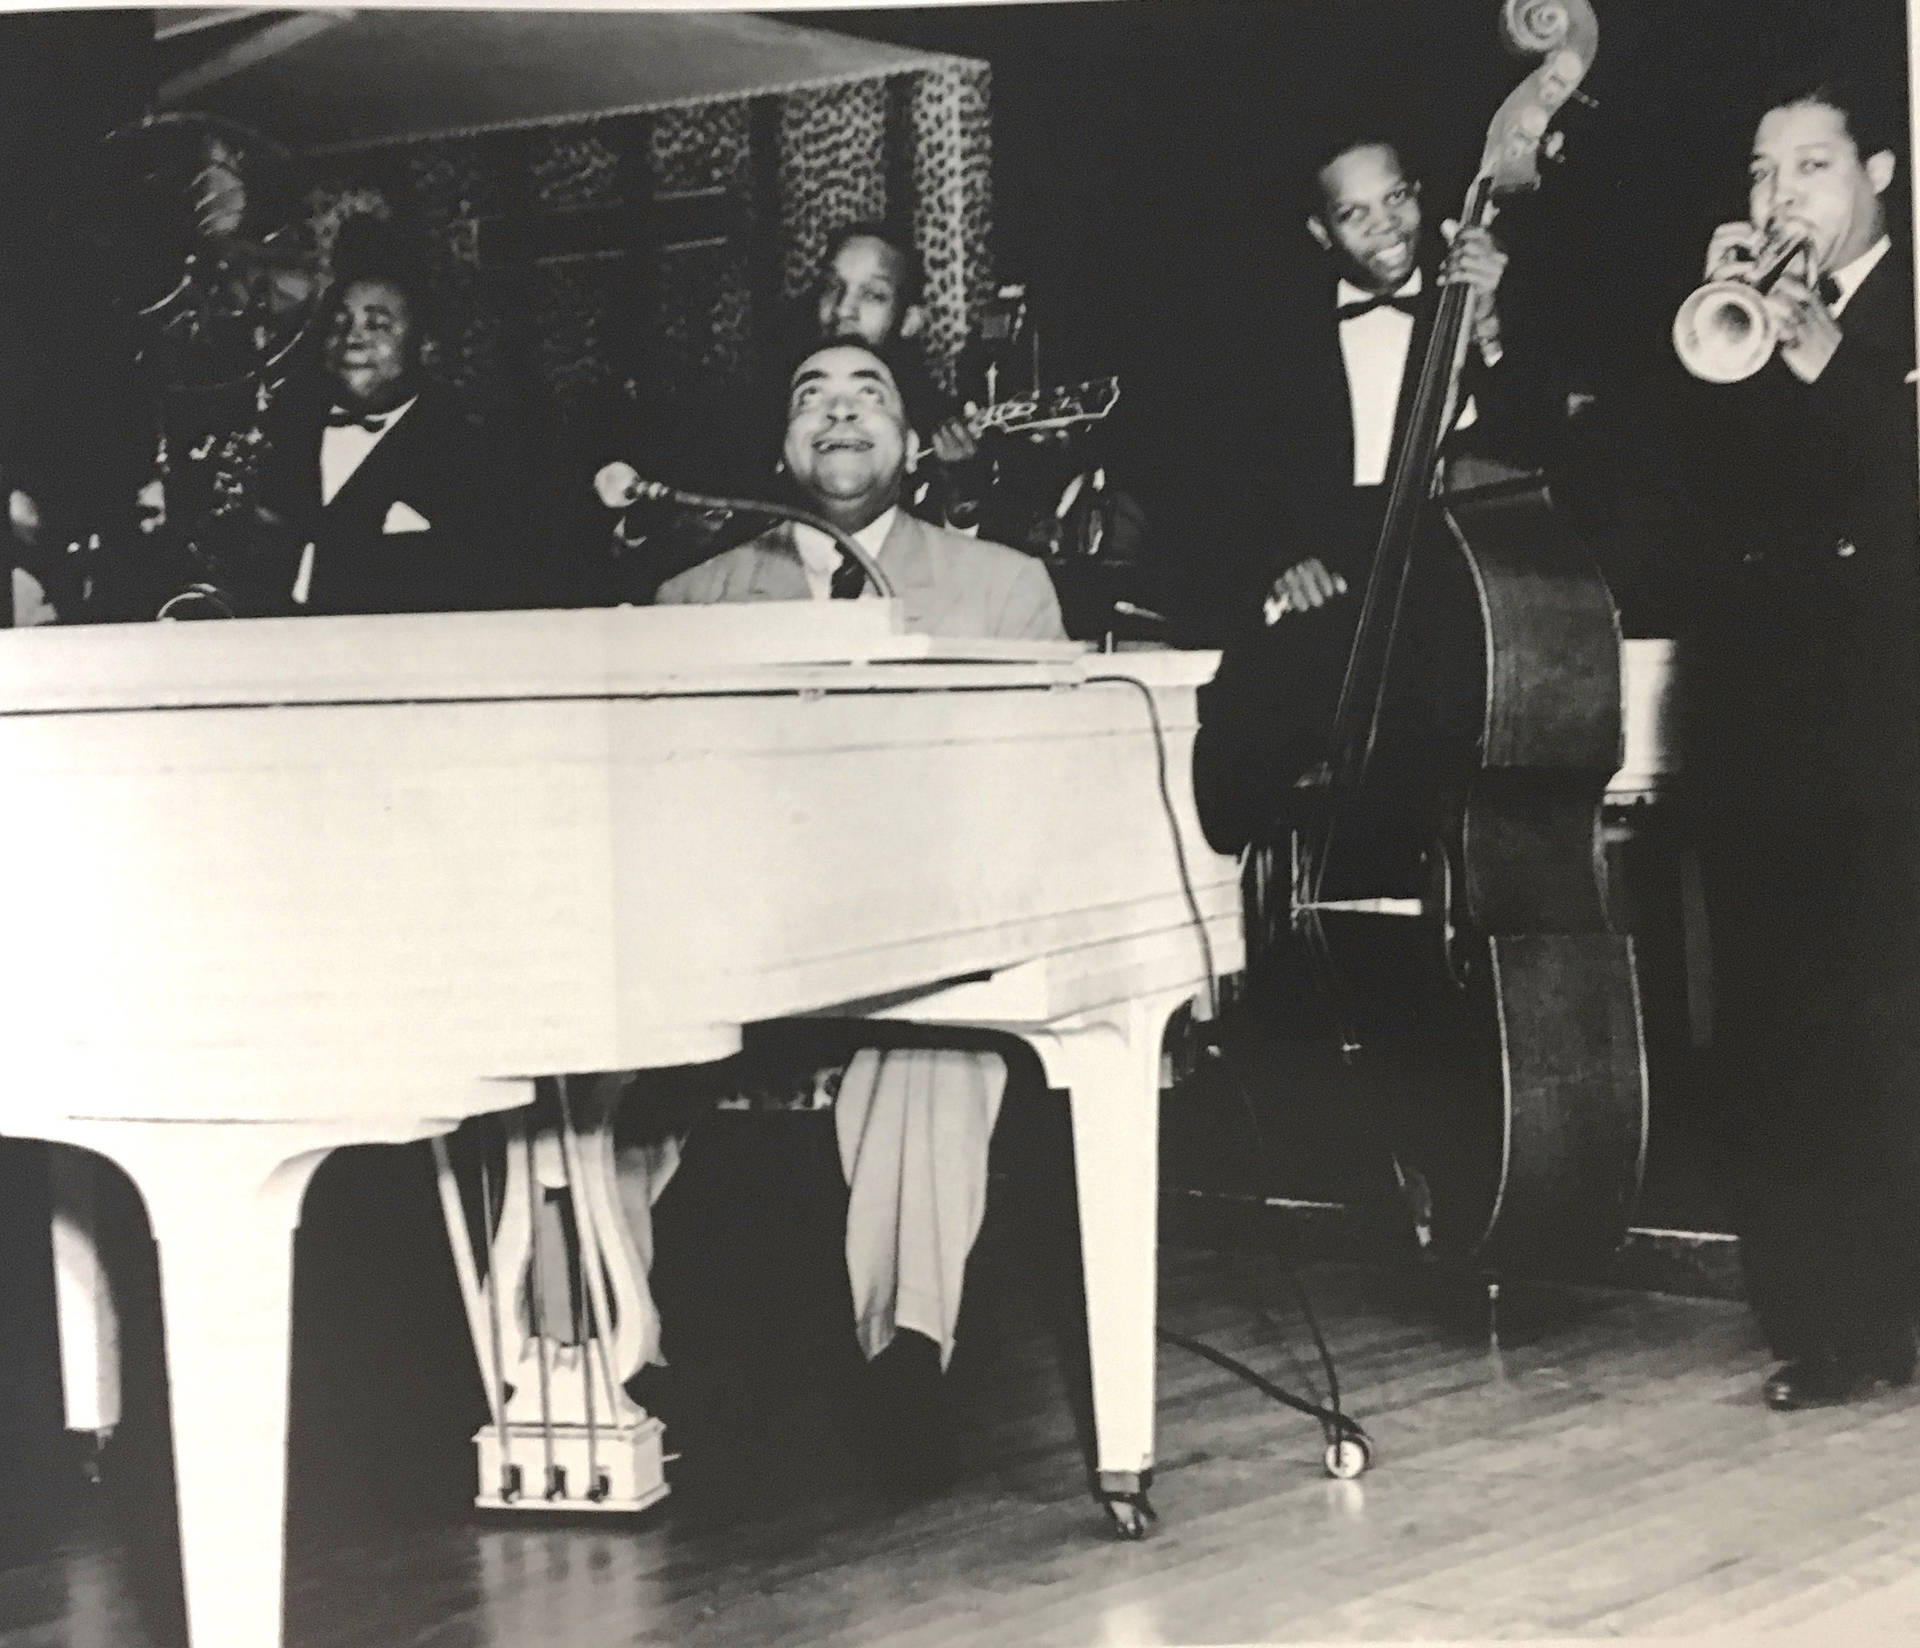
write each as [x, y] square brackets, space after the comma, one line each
[913, 1122]
[845, 452]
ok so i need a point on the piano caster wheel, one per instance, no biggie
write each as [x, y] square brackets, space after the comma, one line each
[1347, 1457]
[89, 1459]
[1133, 1516]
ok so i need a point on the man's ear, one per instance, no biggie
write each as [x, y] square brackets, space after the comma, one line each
[913, 322]
[1880, 166]
[1319, 232]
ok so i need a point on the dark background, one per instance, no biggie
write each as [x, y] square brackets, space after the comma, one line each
[1142, 151]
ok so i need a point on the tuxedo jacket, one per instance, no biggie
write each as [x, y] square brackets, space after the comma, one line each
[950, 584]
[1793, 543]
[442, 516]
[1297, 458]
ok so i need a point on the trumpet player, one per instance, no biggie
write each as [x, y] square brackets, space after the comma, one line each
[1816, 224]
[1805, 753]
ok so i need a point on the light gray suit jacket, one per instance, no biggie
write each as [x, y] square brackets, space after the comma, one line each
[949, 584]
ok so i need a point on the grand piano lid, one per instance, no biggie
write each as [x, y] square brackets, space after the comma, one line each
[600, 652]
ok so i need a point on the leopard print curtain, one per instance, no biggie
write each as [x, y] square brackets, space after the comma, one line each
[650, 253]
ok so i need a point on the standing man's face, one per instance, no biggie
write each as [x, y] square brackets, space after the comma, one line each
[1369, 217]
[1807, 178]
[862, 295]
[372, 345]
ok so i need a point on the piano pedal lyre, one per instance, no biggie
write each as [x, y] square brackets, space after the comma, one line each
[555, 1360]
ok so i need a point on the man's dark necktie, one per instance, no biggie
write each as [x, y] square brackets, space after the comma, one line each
[848, 579]
[1408, 303]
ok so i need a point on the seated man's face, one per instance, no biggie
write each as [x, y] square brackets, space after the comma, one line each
[860, 295]
[372, 345]
[846, 441]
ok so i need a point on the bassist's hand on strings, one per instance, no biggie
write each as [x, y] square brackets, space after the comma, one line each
[1301, 588]
[1476, 259]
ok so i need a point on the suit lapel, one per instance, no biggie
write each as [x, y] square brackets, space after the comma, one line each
[369, 485]
[909, 559]
[1880, 310]
[776, 572]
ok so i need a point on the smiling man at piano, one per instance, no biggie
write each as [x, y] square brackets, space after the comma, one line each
[845, 456]
[913, 1121]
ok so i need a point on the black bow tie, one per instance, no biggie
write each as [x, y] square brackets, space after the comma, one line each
[1408, 303]
[338, 417]
[1829, 290]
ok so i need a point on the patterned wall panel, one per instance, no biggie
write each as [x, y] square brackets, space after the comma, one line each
[651, 249]
[952, 136]
[703, 313]
[833, 170]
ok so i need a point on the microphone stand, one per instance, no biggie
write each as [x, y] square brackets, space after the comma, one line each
[637, 489]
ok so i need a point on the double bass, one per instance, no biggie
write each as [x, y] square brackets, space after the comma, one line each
[1448, 877]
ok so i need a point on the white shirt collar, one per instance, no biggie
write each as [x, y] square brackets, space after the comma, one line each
[820, 555]
[1848, 279]
[382, 421]
[1346, 292]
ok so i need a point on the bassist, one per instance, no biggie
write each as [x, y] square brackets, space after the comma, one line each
[1333, 370]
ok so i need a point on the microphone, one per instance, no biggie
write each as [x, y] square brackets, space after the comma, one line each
[620, 486]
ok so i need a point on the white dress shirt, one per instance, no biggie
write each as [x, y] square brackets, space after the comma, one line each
[821, 556]
[1374, 348]
[1848, 279]
[344, 448]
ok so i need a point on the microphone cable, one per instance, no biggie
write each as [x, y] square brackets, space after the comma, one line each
[1349, 1449]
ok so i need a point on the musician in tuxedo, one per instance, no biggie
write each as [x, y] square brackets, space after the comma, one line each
[913, 1117]
[1793, 501]
[381, 494]
[1306, 462]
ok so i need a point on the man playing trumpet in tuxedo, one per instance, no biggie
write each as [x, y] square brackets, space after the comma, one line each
[1793, 500]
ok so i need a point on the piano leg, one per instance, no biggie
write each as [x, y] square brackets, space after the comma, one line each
[223, 1201]
[1109, 1063]
[89, 1323]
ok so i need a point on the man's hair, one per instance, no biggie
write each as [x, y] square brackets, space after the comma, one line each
[1326, 145]
[1874, 119]
[912, 277]
[888, 355]
[370, 248]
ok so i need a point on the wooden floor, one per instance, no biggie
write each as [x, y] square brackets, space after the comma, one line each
[1608, 1471]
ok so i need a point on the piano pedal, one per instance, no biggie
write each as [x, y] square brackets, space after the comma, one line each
[621, 1468]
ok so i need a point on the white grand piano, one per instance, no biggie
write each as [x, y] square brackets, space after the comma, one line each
[294, 885]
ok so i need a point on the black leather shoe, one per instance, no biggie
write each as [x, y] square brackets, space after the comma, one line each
[1827, 1380]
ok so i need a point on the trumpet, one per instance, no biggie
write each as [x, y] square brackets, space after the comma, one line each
[1724, 332]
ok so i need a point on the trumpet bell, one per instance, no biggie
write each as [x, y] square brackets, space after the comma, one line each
[1724, 333]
